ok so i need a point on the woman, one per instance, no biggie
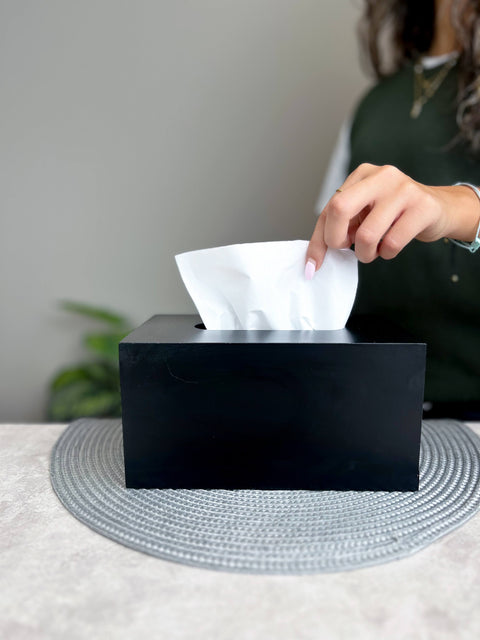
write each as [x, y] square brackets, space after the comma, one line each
[413, 136]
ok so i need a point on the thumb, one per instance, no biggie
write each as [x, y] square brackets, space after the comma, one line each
[316, 249]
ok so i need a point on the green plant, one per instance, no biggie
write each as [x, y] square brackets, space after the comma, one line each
[90, 388]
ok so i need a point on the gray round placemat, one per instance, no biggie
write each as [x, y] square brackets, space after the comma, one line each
[282, 532]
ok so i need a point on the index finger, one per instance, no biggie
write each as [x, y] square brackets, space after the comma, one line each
[317, 247]
[345, 204]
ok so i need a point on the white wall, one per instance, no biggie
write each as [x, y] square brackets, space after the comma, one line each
[134, 130]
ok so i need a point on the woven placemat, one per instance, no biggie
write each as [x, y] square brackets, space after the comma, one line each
[281, 532]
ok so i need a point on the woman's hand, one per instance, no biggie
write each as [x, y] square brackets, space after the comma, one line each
[380, 210]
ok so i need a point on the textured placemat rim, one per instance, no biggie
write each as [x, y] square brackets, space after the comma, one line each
[197, 558]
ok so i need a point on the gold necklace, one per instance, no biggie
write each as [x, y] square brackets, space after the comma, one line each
[424, 89]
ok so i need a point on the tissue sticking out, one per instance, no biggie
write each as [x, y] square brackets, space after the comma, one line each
[262, 285]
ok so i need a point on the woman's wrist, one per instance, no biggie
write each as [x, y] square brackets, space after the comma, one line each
[463, 212]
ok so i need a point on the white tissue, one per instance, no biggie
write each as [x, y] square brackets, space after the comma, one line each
[263, 286]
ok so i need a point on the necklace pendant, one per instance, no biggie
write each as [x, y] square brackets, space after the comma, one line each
[416, 109]
[423, 88]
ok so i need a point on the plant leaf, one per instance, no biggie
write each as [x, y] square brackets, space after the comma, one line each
[83, 399]
[103, 373]
[99, 405]
[106, 344]
[96, 313]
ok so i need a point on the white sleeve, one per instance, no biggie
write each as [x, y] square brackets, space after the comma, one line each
[337, 170]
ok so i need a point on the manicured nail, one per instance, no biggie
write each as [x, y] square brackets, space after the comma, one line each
[310, 269]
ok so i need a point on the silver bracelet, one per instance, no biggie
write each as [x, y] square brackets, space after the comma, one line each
[475, 244]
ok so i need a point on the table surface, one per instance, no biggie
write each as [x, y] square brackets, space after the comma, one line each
[59, 579]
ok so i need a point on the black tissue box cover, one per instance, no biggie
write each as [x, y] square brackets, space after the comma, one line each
[271, 409]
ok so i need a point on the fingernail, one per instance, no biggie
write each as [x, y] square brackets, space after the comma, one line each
[310, 269]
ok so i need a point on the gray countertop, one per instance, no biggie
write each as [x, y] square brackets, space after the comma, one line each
[59, 579]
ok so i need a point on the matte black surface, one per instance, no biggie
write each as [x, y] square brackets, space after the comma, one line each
[270, 409]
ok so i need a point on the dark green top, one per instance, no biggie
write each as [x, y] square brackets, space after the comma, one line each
[416, 289]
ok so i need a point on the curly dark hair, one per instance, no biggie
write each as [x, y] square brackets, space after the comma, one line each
[393, 32]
